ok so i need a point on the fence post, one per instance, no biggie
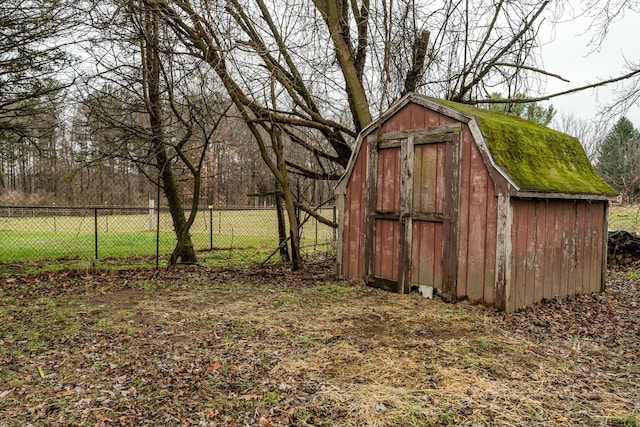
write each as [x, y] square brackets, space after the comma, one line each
[210, 227]
[95, 231]
[335, 219]
[151, 206]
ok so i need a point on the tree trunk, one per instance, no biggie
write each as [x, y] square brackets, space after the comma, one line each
[283, 179]
[282, 228]
[184, 247]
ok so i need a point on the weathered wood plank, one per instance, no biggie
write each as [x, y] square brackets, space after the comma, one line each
[433, 255]
[355, 220]
[390, 179]
[572, 211]
[450, 227]
[547, 271]
[477, 227]
[440, 192]
[371, 201]
[438, 258]
[387, 214]
[581, 266]
[417, 116]
[377, 250]
[388, 254]
[540, 248]
[490, 245]
[603, 248]
[416, 252]
[567, 233]
[464, 231]
[519, 238]
[530, 254]
[421, 136]
[556, 250]
[406, 206]
[361, 215]
[431, 217]
[504, 275]
[427, 169]
[598, 245]
[418, 179]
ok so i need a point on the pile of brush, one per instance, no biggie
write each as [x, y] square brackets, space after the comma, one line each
[623, 247]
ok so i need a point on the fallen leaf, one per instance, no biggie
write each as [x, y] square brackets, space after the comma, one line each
[102, 418]
[559, 418]
[265, 422]
[214, 366]
[64, 393]
[250, 397]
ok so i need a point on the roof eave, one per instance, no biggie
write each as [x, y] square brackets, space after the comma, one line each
[532, 194]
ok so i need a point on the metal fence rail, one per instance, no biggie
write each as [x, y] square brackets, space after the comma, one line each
[48, 233]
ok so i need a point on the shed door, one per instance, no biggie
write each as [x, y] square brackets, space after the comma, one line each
[412, 205]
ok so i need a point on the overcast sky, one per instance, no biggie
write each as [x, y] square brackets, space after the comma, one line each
[569, 54]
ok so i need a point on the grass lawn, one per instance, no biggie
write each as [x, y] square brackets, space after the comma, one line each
[198, 346]
[624, 218]
[28, 239]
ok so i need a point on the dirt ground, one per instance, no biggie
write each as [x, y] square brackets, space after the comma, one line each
[266, 347]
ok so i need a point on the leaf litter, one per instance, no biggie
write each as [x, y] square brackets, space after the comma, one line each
[197, 346]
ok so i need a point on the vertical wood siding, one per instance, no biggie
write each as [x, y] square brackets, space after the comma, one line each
[557, 249]
[478, 211]
[355, 219]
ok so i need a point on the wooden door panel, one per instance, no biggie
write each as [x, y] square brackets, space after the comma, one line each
[386, 219]
[427, 254]
[428, 178]
[428, 214]
[388, 182]
[412, 205]
[386, 253]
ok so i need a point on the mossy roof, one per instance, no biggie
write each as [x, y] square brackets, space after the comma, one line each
[535, 157]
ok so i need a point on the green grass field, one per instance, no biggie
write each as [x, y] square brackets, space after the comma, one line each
[54, 237]
[38, 238]
[624, 218]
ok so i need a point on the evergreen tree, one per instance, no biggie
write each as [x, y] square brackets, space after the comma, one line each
[619, 158]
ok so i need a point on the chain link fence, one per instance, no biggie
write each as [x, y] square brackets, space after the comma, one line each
[50, 233]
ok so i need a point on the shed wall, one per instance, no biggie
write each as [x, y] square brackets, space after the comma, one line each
[557, 249]
[478, 212]
[354, 225]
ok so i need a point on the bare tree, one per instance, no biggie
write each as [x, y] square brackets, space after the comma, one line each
[157, 107]
[33, 60]
[604, 14]
[589, 132]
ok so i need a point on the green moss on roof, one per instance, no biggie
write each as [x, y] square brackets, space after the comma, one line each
[536, 157]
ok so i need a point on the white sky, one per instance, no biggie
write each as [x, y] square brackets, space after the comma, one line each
[569, 55]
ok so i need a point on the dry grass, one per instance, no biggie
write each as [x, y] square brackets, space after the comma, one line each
[270, 348]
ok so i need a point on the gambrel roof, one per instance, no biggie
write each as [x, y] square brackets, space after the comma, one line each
[534, 159]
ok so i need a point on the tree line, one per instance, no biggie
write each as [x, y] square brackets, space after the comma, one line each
[245, 101]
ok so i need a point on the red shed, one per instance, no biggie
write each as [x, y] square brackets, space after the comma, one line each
[475, 204]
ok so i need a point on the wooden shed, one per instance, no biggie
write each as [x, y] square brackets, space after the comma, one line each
[477, 205]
